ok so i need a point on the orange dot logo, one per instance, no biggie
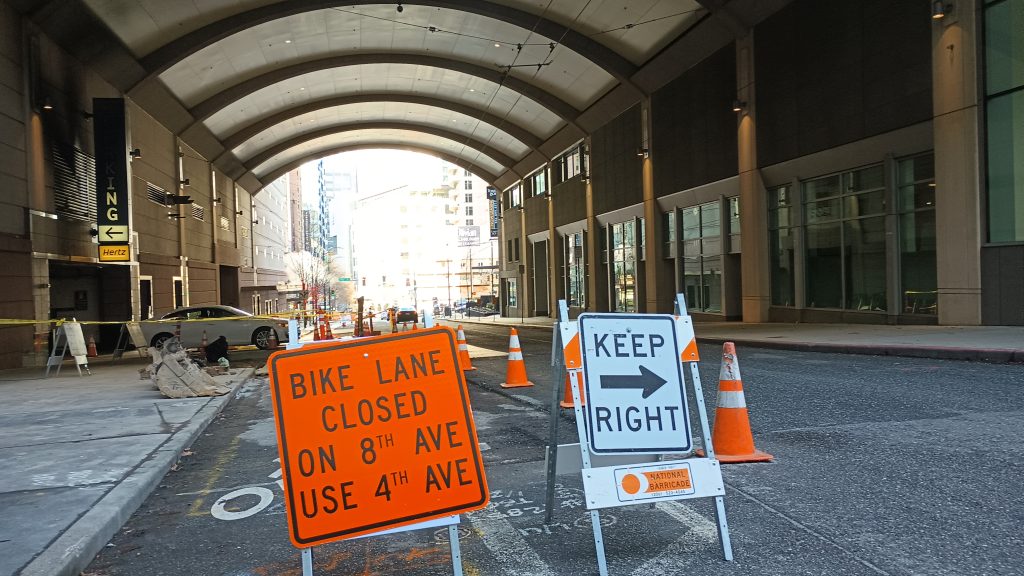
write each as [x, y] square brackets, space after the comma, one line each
[631, 484]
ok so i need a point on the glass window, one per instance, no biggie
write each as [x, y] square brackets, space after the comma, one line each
[824, 266]
[469, 197]
[575, 278]
[623, 271]
[701, 253]
[1006, 167]
[511, 292]
[916, 195]
[467, 185]
[540, 186]
[668, 226]
[780, 244]
[845, 250]
[1004, 46]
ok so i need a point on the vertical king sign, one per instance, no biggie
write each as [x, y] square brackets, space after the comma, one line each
[112, 212]
[636, 395]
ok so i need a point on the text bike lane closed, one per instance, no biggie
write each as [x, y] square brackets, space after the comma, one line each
[374, 434]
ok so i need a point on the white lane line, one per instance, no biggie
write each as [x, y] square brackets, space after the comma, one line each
[701, 534]
[513, 554]
[478, 352]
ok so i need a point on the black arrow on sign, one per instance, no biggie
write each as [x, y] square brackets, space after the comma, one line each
[647, 381]
[107, 232]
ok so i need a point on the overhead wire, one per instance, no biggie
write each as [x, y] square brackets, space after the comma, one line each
[507, 68]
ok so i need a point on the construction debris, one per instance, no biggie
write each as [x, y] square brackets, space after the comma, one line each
[177, 376]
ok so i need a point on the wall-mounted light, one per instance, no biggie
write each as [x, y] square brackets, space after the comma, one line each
[47, 104]
[87, 115]
[738, 105]
[239, 213]
[399, 8]
[173, 216]
[941, 9]
[216, 200]
[135, 153]
[185, 182]
[642, 152]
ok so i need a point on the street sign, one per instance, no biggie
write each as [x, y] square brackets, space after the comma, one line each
[374, 434]
[113, 234]
[636, 396]
[115, 253]
[110, 141]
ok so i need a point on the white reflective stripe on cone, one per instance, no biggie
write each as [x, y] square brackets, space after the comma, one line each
[515, 355]
[513, 342]
[731, 400]
[463, 347]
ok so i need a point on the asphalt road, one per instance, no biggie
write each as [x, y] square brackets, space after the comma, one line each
[883, 466]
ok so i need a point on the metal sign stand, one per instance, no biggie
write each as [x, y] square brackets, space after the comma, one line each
[565, 332]
[451, 521]
[62, 341]
[130, 332]
[709, 449]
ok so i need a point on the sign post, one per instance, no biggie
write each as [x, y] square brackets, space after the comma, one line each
[375, 434]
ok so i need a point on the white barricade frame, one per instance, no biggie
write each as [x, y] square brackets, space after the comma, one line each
[603, 474]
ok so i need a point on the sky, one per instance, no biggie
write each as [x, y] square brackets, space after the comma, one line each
[381, 170]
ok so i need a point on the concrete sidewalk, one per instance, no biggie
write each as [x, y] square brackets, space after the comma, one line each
[80, 454]
[980, 343]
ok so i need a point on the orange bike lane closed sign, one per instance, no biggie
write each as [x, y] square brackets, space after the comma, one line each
[374, 434]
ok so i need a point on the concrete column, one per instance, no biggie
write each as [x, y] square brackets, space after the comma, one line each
[958, 210]
[652, 244]
[552, 251]
[592, 236]
[754, 265]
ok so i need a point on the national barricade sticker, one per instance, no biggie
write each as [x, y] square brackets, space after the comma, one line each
[374, 434]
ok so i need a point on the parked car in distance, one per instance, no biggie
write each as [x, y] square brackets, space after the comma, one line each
[406, 314]
[238, 326]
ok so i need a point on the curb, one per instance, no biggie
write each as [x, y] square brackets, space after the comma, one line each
[71, 552]
[989, 355]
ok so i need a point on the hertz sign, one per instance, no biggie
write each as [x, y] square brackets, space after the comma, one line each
[374, 434]
[112, 212]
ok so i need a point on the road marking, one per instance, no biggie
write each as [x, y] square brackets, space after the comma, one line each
[478, 352]
[508, 547]
[217, 471]
[702, 532]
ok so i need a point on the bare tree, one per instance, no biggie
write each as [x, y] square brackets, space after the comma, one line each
[312, 274]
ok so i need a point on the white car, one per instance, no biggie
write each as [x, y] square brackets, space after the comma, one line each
[238, 326]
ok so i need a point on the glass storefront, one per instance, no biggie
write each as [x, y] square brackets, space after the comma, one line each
[845, 252]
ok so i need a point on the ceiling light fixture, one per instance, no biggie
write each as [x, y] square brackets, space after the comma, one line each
[738, 105]
[941, 9]
[642, 152]
[400, 8]
[287, 41]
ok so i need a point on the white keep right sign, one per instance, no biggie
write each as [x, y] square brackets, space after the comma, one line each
[636, 394]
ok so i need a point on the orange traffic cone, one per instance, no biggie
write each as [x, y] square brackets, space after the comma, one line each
[328, 335]
[317, 329]
[567, 396]
[91, 350]
[272, 342]
[202, 344]
[460, 339]
[731, 435]
[515, 374]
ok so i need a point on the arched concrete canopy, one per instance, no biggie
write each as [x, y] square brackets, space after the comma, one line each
[280, 147]
[519, 133]
[314, 156]
[224, 98]
[162, 58]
